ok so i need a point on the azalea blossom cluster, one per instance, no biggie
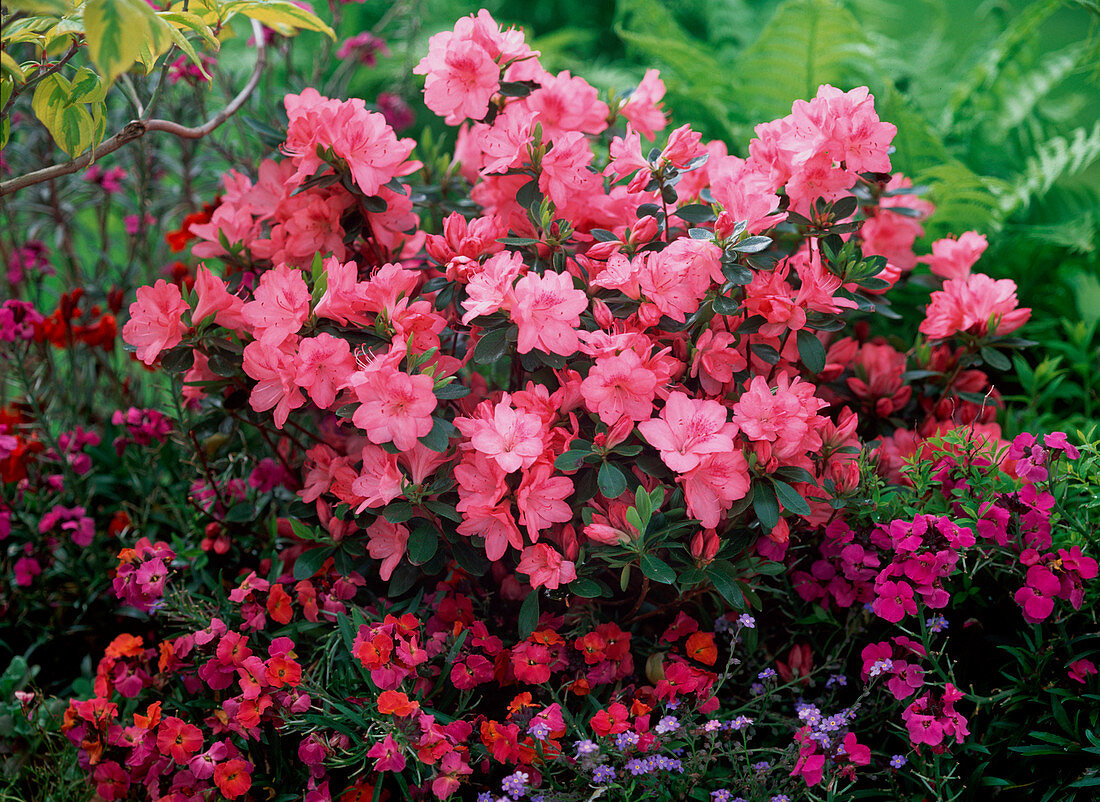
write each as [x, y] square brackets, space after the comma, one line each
[647, 312]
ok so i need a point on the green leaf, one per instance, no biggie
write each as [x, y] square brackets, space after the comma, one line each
[439, 438]
[452, 391]
[695, 213]
[995, 359]
[570, 460]
[423, 544]
[765, 505]
[491, 346]
[309, 562]
[585, 588]
[657, 569]
[66, 118]
[724, 305]
[790, 498]
[529, 614]
[729, 589]
[611, 481]
[118, 31]
[811, 351]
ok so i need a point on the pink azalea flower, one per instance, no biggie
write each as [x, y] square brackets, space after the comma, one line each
[393, 406]
[387, 543]
[362, 139]
[324, 364]
[952, 258]
[619, 386]
[546, 567]
[379, 481]
[215, 299]
[643, 107]
[280, 307]
[565, 174]
[689, 428]
[512, 438]
[461, 78]
[975, 303]
[547, 312]
[711, 487]
[567, 103]
[275, 370]
[156, 320]
[541, 499]
[490, 288]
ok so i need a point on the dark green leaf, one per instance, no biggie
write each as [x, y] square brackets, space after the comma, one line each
[451, 391]
[309, 562]
[657, 569]
[585, 588]
[765, 504]
[724, 305]
[811, 351]
[790, 498]
[995, 359]
[491, 346]
[529, 614]
[611, 481]
[570, 460]
[423, 544]
[695, 213]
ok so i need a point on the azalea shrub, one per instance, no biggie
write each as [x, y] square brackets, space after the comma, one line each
[571, 466]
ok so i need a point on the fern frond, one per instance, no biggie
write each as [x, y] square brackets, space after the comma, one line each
[651, 29]
[1054, 160]
[1004, 48]
[1076, 234]
[964, 199]
[1020, 97]
[806, 43]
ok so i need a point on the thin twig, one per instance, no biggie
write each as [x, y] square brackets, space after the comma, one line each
[57, 65]
[135, 129]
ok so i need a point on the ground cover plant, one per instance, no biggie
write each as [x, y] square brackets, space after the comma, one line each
[580, 460]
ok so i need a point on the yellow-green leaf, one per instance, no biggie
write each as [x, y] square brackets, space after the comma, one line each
[121, 32]
[68, 122]
[183, 19]
[11, 67]
[281, 16]
[184, 45]
[58, 7]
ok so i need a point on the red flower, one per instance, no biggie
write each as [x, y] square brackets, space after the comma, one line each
[233, 778]
[178, 739]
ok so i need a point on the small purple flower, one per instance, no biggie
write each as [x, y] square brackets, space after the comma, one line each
[625, 740]
[603, 774]
[539, 730]
[747, 621]
[666, 725]
[881, 667]
[761, 766]
[936, 623]
[587, 747]
[897, 761]
[515, 785]
[767, 674]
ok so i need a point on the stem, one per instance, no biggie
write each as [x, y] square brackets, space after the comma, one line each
[57, 65]
[136, 129]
